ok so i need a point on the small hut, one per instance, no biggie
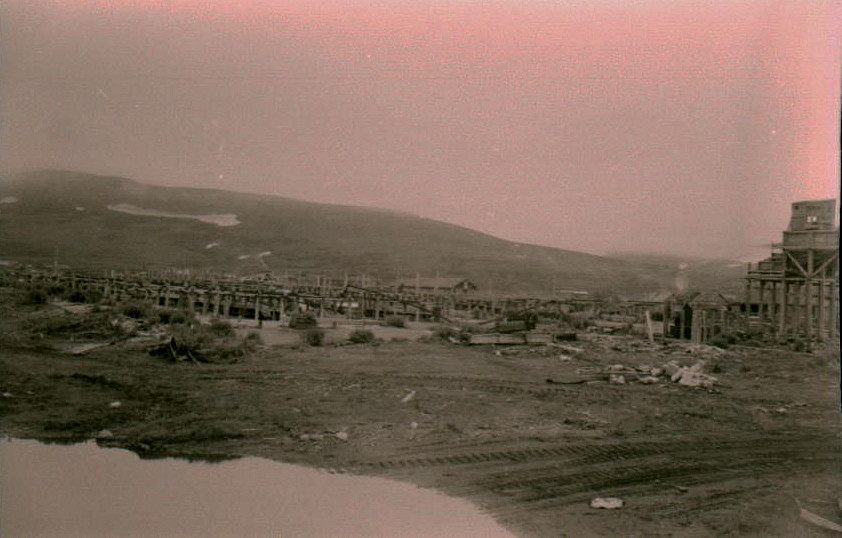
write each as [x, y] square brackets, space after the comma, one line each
[695, 315]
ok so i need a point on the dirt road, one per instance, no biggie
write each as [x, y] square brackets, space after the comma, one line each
[481, 423]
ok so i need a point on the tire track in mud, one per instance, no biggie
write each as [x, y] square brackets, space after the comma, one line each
[542, 478]
[374, 380]
[590, 454]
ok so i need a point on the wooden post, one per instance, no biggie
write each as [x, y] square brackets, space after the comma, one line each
[822, 284]
[784, 301]
[683, 323]
[808, 284]
[761, 314]
[747, 302]
[833, 316]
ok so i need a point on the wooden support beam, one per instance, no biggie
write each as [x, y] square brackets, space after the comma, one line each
[833, 316]
[798, 265]
[808, 284]
[783, 311]
[824, 265]
[761, 300]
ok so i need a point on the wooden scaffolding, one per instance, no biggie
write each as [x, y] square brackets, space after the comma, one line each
[796, 290]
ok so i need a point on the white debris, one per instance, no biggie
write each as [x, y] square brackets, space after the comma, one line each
[671, 368]
[211, 245]
[617, 379]
[342, 436]
[264, 254]
[115, 404]
[408, 397]
[609, 503]
[9, 200]
[244, 257]
[79, 208]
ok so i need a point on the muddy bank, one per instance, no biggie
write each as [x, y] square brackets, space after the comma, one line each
[481, 423]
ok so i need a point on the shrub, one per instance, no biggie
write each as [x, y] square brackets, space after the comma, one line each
[169, 316]
[55, 290]
[445, 332]
[89, 325]
[396, 321]
[34, 295]
[203, 343]
[83, 296]
[224, 329]
[137, 310]
[303, 320]
[361, 336]
[722, 341]
[253, 340]
[313, 337]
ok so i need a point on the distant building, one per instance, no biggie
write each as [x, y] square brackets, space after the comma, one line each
[569, 295]
[436, 285]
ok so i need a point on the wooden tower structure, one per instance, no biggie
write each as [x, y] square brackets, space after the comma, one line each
[795, 291]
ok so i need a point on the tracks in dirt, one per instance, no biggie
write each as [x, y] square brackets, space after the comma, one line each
[525, 476]
[376, 380]
[541, 478]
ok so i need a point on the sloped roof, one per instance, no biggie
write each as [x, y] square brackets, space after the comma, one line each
[698, 297]
[434, 283]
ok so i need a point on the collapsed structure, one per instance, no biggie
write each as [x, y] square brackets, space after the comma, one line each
[795, 291]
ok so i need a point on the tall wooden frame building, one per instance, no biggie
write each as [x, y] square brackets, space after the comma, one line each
[796, 290]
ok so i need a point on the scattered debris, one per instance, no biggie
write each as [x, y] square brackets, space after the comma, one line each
[608, 503]
[413, 425]
[7, 394]
[570, 381]
[671, 368]
[816, 519]
[81, 349]
[617, 379]
[408, 397]
[649, 380]
[693, 376]
[104, 434]
[342, 436]
[569, 349]
[115, 404]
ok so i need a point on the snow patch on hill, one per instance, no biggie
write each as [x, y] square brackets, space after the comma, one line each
[224, 219]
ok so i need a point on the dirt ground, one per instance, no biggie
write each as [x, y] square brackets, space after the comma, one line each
[530, 434]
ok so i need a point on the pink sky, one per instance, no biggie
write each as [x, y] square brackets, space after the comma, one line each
[683, 127]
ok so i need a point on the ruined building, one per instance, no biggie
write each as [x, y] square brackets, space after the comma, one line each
[795, 291]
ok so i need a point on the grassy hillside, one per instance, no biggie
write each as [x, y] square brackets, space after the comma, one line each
[93, 221]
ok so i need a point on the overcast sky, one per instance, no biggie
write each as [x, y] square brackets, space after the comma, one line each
[681, 126]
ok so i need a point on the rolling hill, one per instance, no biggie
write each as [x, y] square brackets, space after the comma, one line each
[90, 221]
